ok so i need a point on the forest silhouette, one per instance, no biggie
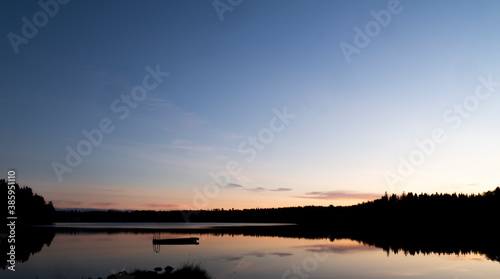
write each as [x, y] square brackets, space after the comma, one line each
[29, 208]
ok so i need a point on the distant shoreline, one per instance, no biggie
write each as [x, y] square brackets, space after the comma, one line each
[410, 212]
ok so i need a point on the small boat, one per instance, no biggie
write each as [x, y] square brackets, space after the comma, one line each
[176, 241]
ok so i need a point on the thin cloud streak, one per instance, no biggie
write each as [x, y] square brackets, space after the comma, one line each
[339, 195]
[190, 146]
[281, 189]
[164, 205]
[281, 254]
[66, 202]
[124, 191]
[257, 189]
[103, 204]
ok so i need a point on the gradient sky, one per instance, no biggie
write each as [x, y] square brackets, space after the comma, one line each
[354, 122]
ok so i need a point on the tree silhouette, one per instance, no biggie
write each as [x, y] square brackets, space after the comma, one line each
[30, 208]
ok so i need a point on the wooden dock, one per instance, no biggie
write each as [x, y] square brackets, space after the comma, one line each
[177, 241]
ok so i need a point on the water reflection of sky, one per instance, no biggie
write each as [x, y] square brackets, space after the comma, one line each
[84, 255]
[155, 225]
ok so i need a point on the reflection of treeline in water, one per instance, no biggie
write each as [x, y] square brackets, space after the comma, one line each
[29, 241]
[440, 242]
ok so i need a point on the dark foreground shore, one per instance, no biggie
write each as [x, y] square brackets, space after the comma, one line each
[187, 270]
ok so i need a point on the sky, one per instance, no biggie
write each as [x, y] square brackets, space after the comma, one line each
[174, 105]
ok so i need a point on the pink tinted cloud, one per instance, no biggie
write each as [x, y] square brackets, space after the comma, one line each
[124, 191]
[165, 205]
[339, 195]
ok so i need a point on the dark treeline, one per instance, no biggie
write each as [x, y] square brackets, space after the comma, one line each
[422, 214]
[269, 215]
[29, 208]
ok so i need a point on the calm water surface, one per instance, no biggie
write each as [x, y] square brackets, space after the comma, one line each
[94, 254]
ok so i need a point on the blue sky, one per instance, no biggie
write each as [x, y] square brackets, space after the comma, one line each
[353, 121]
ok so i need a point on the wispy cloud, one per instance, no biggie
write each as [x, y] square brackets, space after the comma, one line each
[157, 153]
[281, 189]
[232, 258]
[124, 191]
[257, 189]
[176, 114]
[164, 205]
[191, 119]
[339, 195]
[158, 103]
[64, 203]
[190, 146]
[281, 254]
[232, 136]
[103, 204]
[256, 254]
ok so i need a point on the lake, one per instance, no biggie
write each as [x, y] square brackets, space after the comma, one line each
[97, 250]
